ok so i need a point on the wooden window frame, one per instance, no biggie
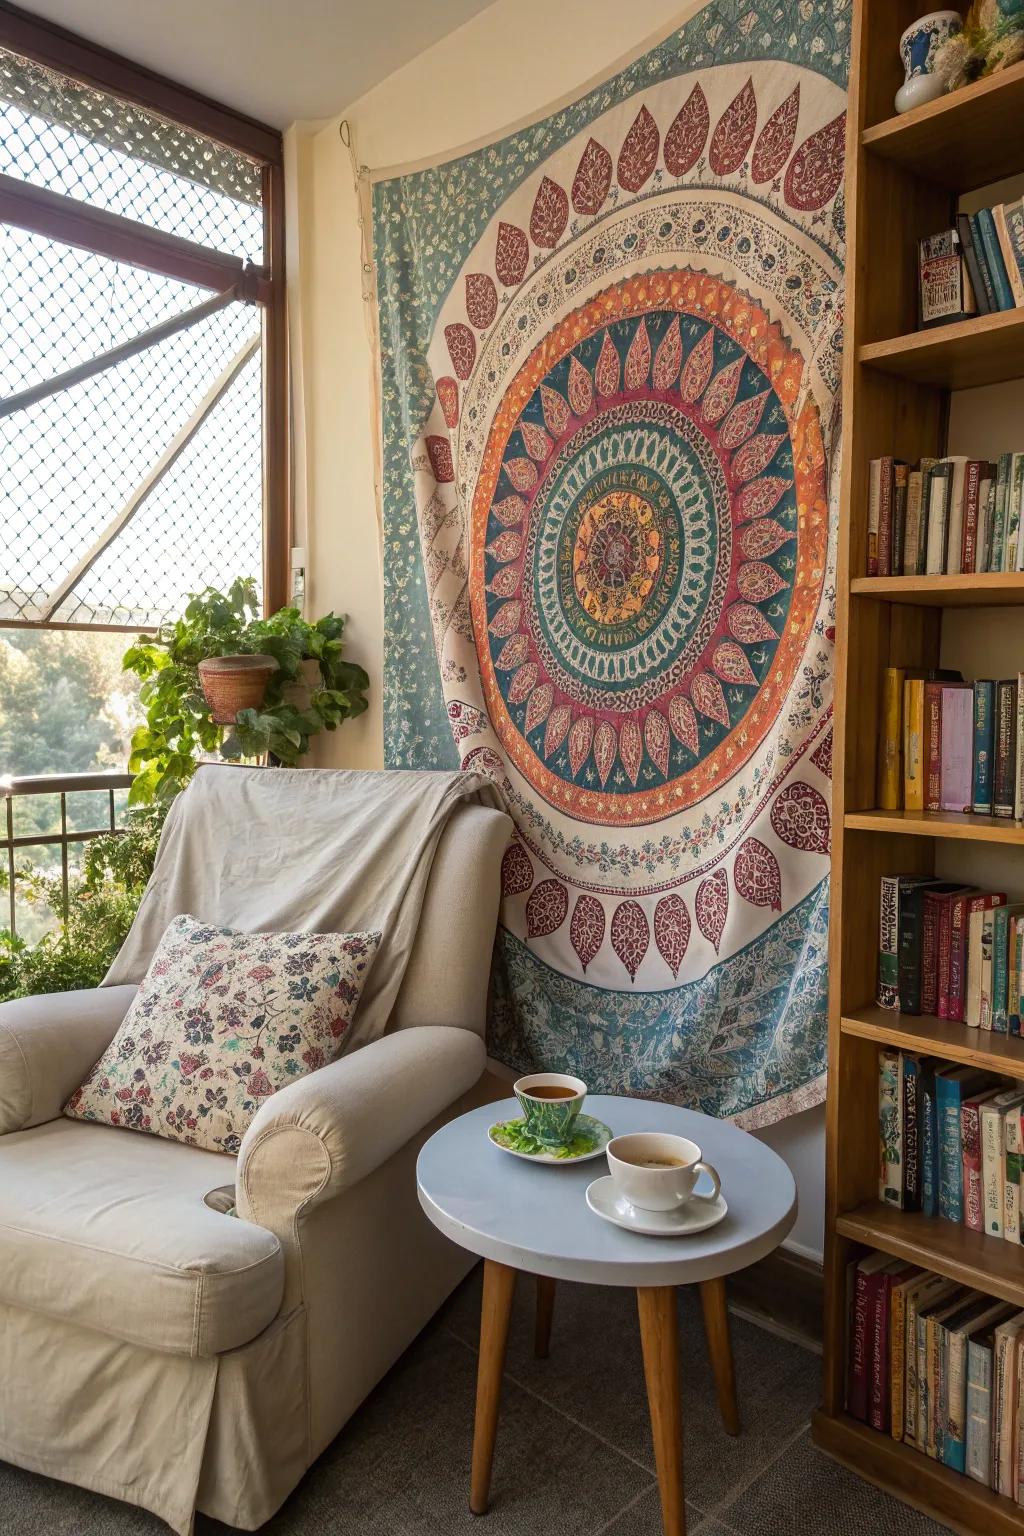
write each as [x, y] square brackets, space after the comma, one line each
[70, 222]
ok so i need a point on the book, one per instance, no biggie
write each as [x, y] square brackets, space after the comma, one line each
[903, 1289]
[944, 284]
[1004, 1403]
[1004, 471]
[910, 1092]
[885, 508]
[942, 903]
[980, 1398]
[973, 1168]
[984, 224]
[1013, 222]
[900, 477]
[934, 1323]
[1014, 970]
[1018, 798]
[986, 505]
[955, 532]
[931, 746]
[940, 484]
[955, 748]
[984, 293]
[1004, 234]
[978, 1000]
[929, 1139]
[972, 512]
[1013, 1143]
[958, 928]
[890, 1129]
[859, 1380]
[984, 729]
[890, 753]
[880, 1293]
[1004, 771]
[951, 1088]
[914, 525]
[993, 1142]
[874, 507]
[913, 744]
[1015, 486]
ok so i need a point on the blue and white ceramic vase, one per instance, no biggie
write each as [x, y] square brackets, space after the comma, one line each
[919, 46]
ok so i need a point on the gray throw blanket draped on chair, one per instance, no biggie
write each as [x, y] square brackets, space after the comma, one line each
[303, 850]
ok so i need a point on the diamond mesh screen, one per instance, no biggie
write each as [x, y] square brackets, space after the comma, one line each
[72, 462]
[58, 134]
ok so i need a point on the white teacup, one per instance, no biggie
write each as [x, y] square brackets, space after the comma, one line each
[657, 1172]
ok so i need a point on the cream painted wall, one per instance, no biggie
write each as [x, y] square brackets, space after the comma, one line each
[469, 86]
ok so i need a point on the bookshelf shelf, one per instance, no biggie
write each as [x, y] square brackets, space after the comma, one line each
[987, 349]
[971, 1258]
[938, 1037]
[903, 175]
[962, 141]
[984, 590]
[924, 1483]
[952, 824]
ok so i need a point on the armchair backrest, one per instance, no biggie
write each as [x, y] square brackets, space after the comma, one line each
[449, 968]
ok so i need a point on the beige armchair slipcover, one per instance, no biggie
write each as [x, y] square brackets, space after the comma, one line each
[154, 1347]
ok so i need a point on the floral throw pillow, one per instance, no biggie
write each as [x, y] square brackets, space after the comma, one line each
[222, 1021]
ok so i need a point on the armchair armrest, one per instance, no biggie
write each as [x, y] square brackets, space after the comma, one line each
[322, 1134]
[47, 1045]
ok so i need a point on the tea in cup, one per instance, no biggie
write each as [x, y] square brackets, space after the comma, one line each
[551, 1102]
[657, 1172]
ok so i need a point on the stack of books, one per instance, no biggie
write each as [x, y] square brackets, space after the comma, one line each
[950, 1143]
[937, 1366]
[953, 516]
[993, 249]
[947, 745]
[952, 952]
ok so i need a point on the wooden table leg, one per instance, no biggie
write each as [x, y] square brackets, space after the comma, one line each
[495, 1313]
[543, 1316]
[659, 1335]
[716, 1327]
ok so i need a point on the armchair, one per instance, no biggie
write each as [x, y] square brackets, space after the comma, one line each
[212, 1324]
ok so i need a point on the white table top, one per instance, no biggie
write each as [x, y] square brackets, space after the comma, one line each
[534, 1216]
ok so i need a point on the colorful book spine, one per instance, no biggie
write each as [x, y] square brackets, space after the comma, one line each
[984, 727]
[914, 529]
[878, 1324]
[958, 929]
[986, 511]
[911, 925]
[1002, 214]
[956, 748]
[913, 744]
[940, 483]
[900, 479]
[1018, 799]
[948, 1093]
[890, 751]
[890, 1129]
[929, 1142]
[931, 924]
[973, 1177]
[1013, 222]
[1012, 552]
[885, 503]
[910, 1070]
[993, 1156]
[874, 506]
[1011, 1188]
[888, 943]
[1000, 970]
[972, 508]
[955, 532]
[993, 256]
[1004, 773]
[932, 746]
[1004, 471]
[978, 1451]
[982, 287]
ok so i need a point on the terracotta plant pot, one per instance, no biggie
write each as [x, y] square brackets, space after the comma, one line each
[234, 683]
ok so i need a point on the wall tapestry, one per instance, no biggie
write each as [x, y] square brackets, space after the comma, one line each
[611, 356]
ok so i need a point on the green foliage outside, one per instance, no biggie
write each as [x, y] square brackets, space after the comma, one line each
[69, 703]
[179, 724]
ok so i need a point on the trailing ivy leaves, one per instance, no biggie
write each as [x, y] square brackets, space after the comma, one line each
[179, 725]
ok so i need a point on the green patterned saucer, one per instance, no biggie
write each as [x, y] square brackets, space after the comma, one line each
[590, 1140]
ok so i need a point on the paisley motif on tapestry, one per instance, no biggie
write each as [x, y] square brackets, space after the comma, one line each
[611, 364]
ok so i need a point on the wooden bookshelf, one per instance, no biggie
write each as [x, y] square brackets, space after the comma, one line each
[988, 589]
[903, 176]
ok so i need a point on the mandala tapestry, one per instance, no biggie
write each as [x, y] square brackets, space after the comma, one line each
[610, 378]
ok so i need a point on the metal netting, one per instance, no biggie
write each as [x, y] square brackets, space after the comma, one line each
[207, 507]
[60, 306]
[73, 462]
[60, 134]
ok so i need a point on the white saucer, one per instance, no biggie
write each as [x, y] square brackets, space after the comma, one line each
[696, 1216]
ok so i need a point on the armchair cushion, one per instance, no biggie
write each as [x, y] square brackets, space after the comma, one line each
[222, 1021]
[113, 1232]
[48, 1044]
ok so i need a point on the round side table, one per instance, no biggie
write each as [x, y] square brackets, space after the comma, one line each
[534, 1217]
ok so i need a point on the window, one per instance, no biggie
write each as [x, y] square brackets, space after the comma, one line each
[143, 418]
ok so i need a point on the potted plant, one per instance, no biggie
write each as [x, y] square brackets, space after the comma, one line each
[304, 686]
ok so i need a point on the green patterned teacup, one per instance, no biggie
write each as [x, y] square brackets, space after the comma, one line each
[551, 1102]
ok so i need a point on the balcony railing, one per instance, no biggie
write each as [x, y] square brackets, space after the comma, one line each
[62, 785]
